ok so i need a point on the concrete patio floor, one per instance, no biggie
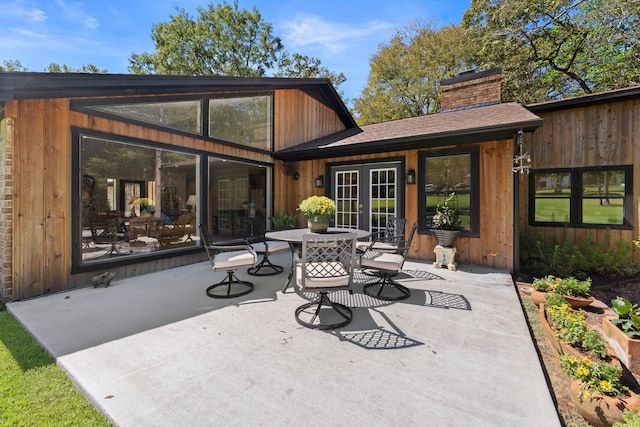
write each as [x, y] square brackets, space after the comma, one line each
[154, 350]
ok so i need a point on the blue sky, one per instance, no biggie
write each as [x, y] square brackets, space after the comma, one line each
[343, 34]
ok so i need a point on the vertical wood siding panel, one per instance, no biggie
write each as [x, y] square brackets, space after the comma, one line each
[28, 232]
[57, 194]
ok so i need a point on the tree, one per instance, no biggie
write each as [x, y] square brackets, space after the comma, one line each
[223, 40]
[12, 65]
[554, 49]
[405, 74]
[87, 68]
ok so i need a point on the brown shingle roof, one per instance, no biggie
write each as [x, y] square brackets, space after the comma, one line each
[485, 123]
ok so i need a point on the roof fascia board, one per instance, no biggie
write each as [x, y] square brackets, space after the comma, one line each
[585, 100]
[415, 142]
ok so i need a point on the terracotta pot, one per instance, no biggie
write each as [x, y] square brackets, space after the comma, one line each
[562, 347]
[538, 297]
[601, 410]
[579, 302]
[318, 223]
[555, 342]
[626, 348]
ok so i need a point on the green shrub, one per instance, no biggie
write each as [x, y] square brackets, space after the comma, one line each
[540, 257]
[630, 419]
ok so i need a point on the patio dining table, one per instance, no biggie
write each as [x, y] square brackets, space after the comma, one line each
[294, 238]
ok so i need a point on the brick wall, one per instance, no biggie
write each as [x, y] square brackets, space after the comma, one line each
[471, 89]
[6, 208]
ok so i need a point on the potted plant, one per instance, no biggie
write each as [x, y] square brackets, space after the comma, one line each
[318, 210]
[283, 221]
[575, 292]
[597, 390]
[623, 333]
[446, 222]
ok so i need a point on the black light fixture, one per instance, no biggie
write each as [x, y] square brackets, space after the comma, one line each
[320, 181]
[411, 176]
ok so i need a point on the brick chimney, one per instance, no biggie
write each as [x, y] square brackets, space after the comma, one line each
[471, 89]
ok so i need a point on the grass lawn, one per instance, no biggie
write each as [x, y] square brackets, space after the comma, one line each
[34, 391]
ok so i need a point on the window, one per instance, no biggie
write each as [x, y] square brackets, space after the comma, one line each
[245, 121]
[586, 197]
[135, 199]
[445, 172]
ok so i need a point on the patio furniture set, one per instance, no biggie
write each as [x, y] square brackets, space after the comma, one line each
[322, 263]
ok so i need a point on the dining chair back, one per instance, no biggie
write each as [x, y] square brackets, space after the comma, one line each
[386, 265]
[326, 264]
[253, 230]
[229, 256]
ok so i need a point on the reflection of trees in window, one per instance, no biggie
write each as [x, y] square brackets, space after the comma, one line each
[181, 115]
[445, 174]
[112, 163]
[244, 121]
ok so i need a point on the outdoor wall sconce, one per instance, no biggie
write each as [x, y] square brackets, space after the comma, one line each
[320, 181]
[411, 176]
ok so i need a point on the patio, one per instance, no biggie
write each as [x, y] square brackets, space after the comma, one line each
[154, 350]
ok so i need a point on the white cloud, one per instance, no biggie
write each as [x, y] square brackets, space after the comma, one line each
[75, 11]
[17, 10]
[313, 32]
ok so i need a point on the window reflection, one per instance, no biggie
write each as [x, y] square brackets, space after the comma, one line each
[236, 191]
[135, 199]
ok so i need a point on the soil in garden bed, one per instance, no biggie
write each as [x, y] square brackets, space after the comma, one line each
[558, 381]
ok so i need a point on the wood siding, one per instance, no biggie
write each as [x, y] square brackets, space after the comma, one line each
[606, 134]
[494, 247]
[42, 200]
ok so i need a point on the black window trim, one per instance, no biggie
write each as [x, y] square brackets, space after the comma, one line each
[77, 266]
[575, 198]
[474, 201]
[84, 106]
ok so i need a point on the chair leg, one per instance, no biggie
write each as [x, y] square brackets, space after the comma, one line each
[394, 291]
[265, 264]
[323, 301]
[234, 287]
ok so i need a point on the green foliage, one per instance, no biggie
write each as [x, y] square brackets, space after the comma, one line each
[223, 40]
[550, 50]
[540, 257]
[34, 391]
[446, 216]
[628, 316]
[595, 377]
[12, 65]
[631, 419]
[572, 327]
[553, 299]
[87, 68]
[283, 221]
[318, 205]
[405, 73]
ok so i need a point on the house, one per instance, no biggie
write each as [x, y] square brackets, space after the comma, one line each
[114, 172]
[583, 167]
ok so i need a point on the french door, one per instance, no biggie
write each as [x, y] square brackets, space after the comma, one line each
[367, 195]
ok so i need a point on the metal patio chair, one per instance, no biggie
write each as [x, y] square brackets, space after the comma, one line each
[228, 256]
[253, 230]
[326, 264]
[386, 265]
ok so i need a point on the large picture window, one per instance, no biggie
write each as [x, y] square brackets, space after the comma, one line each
[446, 172]
[588, 197]
[135, 199]
[245, 121]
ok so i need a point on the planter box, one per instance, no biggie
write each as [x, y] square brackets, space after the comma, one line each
[627, 349]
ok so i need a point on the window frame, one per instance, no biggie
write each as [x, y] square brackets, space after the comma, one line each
[474, 195]
[576, 197]
[86, 106]
[77, 264]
